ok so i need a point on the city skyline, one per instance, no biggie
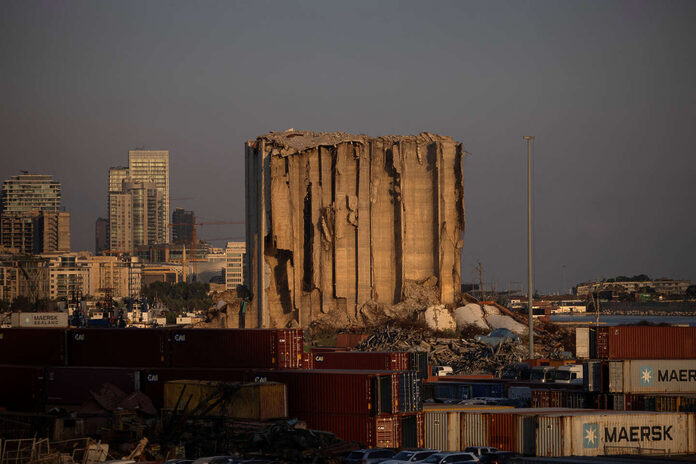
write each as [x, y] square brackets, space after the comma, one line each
[606, 90]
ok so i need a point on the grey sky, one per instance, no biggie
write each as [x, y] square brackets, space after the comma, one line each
[608, 88]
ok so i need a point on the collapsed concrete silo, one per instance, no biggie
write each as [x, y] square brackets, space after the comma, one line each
[347, 220]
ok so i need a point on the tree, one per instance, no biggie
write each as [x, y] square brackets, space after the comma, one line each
[691, 291]
[21, 304]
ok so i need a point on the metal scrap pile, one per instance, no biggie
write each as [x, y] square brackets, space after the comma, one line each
[464, 356]
[281, 441]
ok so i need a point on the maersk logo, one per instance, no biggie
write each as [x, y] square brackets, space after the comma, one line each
[590, 435]
[646, 376]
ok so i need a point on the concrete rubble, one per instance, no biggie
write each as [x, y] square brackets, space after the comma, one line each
[340, 225]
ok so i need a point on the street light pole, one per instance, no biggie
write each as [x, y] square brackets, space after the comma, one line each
[530, 292]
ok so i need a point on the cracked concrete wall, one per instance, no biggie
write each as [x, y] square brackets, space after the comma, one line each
[346, 219]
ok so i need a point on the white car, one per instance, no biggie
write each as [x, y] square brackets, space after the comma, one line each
[410, 456]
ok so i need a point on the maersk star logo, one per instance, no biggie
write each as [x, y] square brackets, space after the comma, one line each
[646, 376]
[590, 435]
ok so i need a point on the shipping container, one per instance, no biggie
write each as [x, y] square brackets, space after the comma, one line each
[412, 430]
[248, 401]
[22, 388]
[593, 376]
[72, 385]
[336, 391]
[418, 361]
[39, 320]
[237, 348]
[372, 431]
[468, 390]
[349, 340]
[582, 343]
[119, 347]
[409, 392]
[652, 376]
[361, 360]
[606, 433]
[442, 424]
[38, 347]
[153, 381]
[646, 342]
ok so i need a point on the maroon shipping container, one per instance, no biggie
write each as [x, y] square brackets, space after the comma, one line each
[646, 342]
[502, 430]
[22, 388]
[253, 348]
[72, 385]
[38, 347]
[373, 432]
[336, 391]
[152, 381]
[362, 360]
[119, 347]
[307, 361]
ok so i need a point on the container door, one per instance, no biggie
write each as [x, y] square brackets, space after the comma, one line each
[409, 431]
[616, 377]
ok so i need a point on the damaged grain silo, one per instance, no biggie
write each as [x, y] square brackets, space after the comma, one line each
[348, 220]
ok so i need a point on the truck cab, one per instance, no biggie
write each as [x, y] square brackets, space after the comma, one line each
[544, 374]
[570, 373]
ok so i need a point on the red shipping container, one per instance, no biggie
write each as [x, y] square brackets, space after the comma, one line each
[72, 385]
[347, 340]
[646, 342]
[373, 432]
[362, 360]
[22, 388]
[307, 361]
[502, 430]
[253, 348]
[38, 347]
[335, 391]
[119, 347]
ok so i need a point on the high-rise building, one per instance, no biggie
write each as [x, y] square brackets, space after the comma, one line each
[153, 166]
[235, 268]
[30, 192]
[135, 216]
[51, 232]
[100, 236]
[182, 226]
[31, 217]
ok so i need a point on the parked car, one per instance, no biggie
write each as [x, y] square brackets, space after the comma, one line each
[217, 460]
[480, 450]
[369, 456]
[448, 458]
[499, 457]
[410, 456]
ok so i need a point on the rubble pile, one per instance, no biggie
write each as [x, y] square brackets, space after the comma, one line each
[284, 441]
[465, 356]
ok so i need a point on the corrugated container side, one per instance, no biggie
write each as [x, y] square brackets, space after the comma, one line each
[380, 431]
[502, 431]
[617, 433]
[418, 361]
[119, 347]
[582, 343]
[442, 430]
[251, 401]
[474, 429]
[361, 360]
[153, 381]
[38, 347]
[653, 376]
[646, 342]
[237, 348]
[72, 385]
[22, 388]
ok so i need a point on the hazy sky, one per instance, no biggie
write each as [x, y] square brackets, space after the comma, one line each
[607, 87]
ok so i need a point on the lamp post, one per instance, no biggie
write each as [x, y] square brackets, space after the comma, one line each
[530, 291]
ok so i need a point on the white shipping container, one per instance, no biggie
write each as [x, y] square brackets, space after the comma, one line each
[653, 376]
[39, 320]
[582, 343]
[615, 432]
